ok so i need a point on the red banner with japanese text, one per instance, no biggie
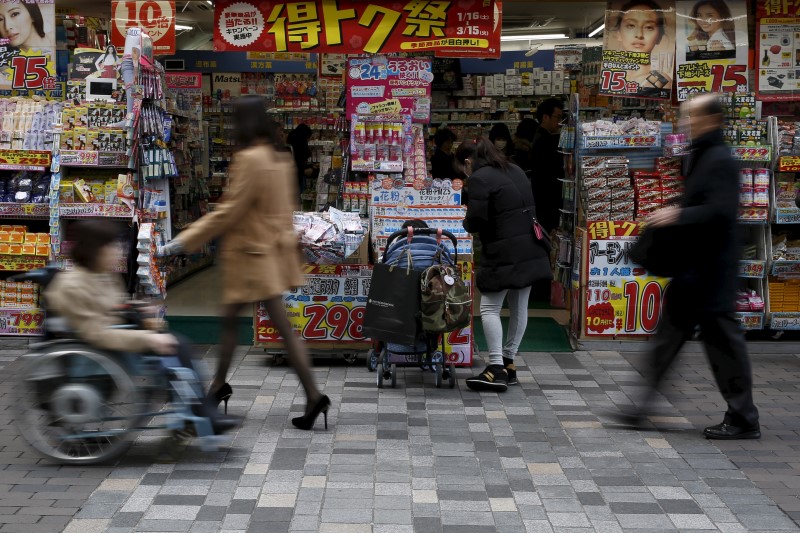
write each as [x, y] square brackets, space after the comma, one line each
[777, 49]
[622, 298]
[155, 17]
[184, 80]
[27, 46]
[355, 27]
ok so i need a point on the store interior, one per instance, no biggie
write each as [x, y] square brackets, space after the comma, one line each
[367, 166]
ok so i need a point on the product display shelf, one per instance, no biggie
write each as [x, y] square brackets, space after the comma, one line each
[15, 210]
[783, 272]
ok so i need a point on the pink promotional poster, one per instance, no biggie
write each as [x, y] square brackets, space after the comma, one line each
[390, 86]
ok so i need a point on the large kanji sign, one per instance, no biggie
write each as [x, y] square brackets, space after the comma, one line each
[351, 26]
[156, 17]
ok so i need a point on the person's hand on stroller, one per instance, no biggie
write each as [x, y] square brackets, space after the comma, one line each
[171, 248]
[164, 344]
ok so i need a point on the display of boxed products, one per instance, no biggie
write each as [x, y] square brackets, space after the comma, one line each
[26, 124]
[607, 188]
[632, 126]
[94, 126]
[754, 187]
[330, 237]
[22, 295]
[379, 143]
[16, 240]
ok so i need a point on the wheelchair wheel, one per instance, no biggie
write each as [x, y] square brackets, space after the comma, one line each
[372, 360]
[77, 406]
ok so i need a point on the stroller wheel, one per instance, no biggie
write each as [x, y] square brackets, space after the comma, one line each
[394, 375]
[372, 360]
[452, 375]
[380, 375]
[439, 373]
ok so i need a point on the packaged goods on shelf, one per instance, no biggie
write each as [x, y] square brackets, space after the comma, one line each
[789, 137]
[631, 126]
[22, 295]
[25, 188]
[17, 240]
[148, 270]
[331, 237]
[784, 295]
[27, 124]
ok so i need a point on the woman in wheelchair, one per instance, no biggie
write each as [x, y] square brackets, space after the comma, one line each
[90, 299]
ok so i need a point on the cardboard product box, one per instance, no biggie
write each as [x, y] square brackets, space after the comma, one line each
[361, 256]
[28, 249]
[547, 76]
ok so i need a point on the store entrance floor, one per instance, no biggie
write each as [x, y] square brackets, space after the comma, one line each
[193, 309]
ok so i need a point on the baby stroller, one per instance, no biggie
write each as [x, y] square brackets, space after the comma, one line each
[81, 405]
[426, 248]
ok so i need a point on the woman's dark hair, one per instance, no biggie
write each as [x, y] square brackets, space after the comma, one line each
[36, 16]
[414, 223]
[442, 136]
[526, 129]
[252, 123]
[725, 16]
[483, 153]
[91, 236]
[661, 20]
[500, 131]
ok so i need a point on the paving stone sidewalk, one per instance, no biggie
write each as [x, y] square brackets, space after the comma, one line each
[417, 458]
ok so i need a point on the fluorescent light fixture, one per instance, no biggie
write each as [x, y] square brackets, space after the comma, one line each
[183, 27]
[209, 2]
[533, 37]
[597, 30]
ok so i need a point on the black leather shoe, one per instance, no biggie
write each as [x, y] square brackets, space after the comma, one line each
[725, 431]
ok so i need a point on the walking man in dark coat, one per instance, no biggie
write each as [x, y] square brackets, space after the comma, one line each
[703, 291]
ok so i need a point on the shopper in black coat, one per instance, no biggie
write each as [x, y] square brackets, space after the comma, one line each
[500, 211]
[703, 290]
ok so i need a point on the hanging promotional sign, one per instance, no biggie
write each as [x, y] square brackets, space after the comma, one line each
[396, 85]
[639, 49]
[156, 17]
[621, 297]
[711, 47]
[777, 49]
[492, 52]
[27, 46]
[568, 56]
[354, 27]
[184, 80]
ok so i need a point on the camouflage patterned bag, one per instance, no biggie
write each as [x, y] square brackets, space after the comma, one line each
[446, 304]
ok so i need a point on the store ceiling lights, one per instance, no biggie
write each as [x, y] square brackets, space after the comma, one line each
[181, 27]
[597, 30]
[534, 37]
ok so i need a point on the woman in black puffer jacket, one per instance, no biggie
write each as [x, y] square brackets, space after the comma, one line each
[500, 211]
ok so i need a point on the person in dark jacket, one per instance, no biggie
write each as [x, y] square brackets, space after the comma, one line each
[703, 291]
[548, 163]
[500, 211]
[523, 141]
[442, 159]
[298, 139]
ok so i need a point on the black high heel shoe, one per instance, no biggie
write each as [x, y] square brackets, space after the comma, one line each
[306, 422]
[222, 394]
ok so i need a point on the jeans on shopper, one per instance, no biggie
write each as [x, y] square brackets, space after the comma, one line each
[127, 71]
[491, 304]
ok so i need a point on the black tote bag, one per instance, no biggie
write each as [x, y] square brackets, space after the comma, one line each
[392, 313]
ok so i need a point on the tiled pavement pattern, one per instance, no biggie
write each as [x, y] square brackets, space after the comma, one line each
[536, 458]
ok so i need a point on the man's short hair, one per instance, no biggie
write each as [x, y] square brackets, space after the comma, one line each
[548, 107]
[710, 106]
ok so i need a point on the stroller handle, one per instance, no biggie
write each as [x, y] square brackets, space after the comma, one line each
[423, 231]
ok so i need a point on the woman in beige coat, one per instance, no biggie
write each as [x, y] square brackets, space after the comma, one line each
[260, 255]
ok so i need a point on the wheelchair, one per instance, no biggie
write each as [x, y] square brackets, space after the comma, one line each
[80, 405]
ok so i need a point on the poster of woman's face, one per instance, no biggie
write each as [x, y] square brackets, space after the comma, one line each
[27, 28]
[28, 25]
[640, 26]
[639, 48]
[711, 29]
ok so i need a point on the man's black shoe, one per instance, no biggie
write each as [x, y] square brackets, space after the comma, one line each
[725, 431]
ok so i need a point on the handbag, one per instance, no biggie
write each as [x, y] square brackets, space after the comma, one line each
[538, 230]
[657, 252]
[392, 312]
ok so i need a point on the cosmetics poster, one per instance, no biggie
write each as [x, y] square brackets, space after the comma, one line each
[777, 50]
[27, 46]
[711, 47]
[639, 49]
